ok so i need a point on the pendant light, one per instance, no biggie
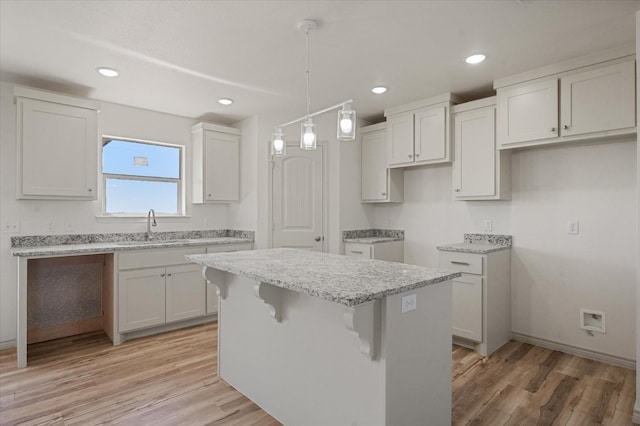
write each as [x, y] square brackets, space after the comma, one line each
[308, 135]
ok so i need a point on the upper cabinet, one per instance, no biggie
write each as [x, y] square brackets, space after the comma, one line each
[379, 183]
[567, 102]
[419, 133]
[216, 163]
[57, 146]
[480, 171]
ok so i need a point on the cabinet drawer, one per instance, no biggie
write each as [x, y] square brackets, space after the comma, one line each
[151, 258]
[463, 262]
[358, 250]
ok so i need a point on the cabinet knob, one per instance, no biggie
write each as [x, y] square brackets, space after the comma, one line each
[90, 190]
[168, 275]
[410, 156]
[384, 194]
[565, 127]
[317, 238]
[162, 275]
[208, 195]
[553, 130]
[457, 189]
[417, 155]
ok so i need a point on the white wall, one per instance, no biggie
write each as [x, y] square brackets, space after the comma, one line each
[553, 274]
[243, 214]
[34, 215]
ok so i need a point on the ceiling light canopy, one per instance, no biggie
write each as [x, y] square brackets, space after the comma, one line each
[475, 59]
[378, 90]
[346, 126]
[108, 72]
[225, 101]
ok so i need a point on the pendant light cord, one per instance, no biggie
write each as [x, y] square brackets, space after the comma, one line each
[306, 36]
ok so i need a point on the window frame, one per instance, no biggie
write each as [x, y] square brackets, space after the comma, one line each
[180, 181]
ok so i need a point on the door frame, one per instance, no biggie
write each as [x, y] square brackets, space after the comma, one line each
[325, 193]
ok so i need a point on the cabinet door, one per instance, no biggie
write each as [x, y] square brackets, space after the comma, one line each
[467, 307]
[374, 166]
[528, 113]
[474, 168]
[57, 151]
[430, 135]
[141, 298]
[400, 139]
[222, 166]
[598, 100]
[186, 292]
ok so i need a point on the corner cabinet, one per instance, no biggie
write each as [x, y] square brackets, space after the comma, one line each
[216, 163]
[379, 183]
[595, 101]
[419, 133]
[57, 146]
[480, 171]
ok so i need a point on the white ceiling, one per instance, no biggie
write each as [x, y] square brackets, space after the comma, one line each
[179, 57]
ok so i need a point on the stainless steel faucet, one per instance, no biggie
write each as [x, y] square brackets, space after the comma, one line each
[149, 223]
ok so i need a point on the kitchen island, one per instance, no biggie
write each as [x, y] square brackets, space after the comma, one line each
[321, 339]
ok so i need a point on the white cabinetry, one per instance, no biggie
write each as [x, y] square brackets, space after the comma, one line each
[481, 298]
[391, 251]
[57, 146]
[216, 163]
[562, 104]
[418, 133]
[212, 294]
[156, 287]
[379, 183]
[480, 171]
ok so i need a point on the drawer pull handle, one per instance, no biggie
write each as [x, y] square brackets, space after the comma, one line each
[357, 252]
[460, 263]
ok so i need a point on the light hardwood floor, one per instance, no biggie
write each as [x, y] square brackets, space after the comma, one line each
[170, 380]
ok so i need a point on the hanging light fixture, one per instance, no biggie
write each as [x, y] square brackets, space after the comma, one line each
[278, 146]
[308, 134]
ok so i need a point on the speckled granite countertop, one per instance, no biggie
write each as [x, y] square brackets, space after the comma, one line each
[54, 245]
[342, 279]
[372, 236]
[480, 243]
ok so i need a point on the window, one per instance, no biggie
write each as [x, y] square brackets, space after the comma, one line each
[139, 176]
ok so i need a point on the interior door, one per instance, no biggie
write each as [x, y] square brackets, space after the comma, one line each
[298, 199]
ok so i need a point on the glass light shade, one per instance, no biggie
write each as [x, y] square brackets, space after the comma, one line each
[346, 124]
[278, 146]
[308, 136]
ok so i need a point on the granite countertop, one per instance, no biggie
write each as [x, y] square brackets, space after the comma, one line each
[372, 236]
[480, 243]
[54, 245]
[372, 240]
[342, 279]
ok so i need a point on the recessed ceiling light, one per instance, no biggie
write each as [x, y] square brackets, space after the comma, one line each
[225, 101]
[475, 59]
[108, 72]
[378, 90]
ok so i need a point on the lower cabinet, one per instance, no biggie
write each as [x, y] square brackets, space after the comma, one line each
[391, 251]
[155, 296]
[481, 299]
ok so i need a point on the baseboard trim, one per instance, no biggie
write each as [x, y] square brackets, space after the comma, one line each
[7, 344]
[636, 414]
[168, 327]
[574, 350]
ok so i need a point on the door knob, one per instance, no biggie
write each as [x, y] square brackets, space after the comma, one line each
[317, 238]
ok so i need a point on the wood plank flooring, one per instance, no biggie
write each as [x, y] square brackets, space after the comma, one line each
[171, 379]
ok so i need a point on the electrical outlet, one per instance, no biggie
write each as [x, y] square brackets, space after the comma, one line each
[408, 303]
[389, 223]
[68, 227]
[51, 226]
[488, 225]
[11, 227]
[573, 227]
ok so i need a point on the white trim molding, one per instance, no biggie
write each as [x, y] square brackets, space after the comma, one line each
[8, 344]
[581, 352]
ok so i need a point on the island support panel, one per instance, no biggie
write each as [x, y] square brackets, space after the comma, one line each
[304, 366]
